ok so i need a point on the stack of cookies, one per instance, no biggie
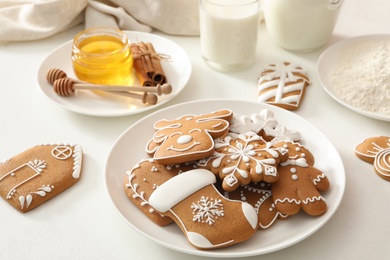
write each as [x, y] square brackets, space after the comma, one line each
[221, 177]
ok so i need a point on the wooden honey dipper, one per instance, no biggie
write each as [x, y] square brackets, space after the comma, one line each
[56, 74]
[67, 86]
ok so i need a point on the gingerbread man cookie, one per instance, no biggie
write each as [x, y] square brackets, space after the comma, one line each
[300, 183]
[244, 159]
[188, 138]
[376, 150]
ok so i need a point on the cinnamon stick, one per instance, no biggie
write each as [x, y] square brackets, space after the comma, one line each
[139, 66]
[159, 76]
[146, 59]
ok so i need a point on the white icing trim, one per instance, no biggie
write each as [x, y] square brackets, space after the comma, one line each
[180, 187]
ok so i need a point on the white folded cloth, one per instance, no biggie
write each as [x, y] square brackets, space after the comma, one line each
[22, 20]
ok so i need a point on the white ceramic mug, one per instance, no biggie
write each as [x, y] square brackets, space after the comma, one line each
[301, 25]
[228, 32]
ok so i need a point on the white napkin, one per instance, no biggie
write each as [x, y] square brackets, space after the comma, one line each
[22, 20]
[178, 17]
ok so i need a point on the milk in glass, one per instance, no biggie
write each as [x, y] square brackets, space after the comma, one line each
[228, 32]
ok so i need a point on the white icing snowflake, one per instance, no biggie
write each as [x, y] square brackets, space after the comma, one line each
[207, 210]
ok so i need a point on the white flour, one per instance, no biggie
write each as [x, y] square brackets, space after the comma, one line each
[361, 77]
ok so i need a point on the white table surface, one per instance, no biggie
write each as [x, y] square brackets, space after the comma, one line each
[82, 223]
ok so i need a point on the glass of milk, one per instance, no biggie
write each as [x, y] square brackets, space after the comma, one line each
[228, 33]
[301, 25]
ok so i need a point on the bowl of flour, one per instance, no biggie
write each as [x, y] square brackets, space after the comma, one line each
[356, 73]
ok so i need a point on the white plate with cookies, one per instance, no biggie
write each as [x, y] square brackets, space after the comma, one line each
[130, 148]
[97, 103]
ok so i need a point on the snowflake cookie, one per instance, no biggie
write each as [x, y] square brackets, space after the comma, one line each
[244, 159]
[376, 150]
[300, 183]
[38, 174]
[283, 85]
[190, 199]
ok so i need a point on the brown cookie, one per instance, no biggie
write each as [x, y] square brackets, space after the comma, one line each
[259, 195]
[38, 174]
[283, 85]
[376, 150]
[207, 219]
[300, 183]
[244, 159]
[147, 175]
[187, 138]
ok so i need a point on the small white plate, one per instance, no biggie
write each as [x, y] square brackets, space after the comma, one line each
[129, 149]
[328, 60]
[86, 102]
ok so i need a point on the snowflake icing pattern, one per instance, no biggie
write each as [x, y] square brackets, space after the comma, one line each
[207, 210]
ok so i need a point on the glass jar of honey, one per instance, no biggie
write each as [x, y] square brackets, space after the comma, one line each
[102, 55]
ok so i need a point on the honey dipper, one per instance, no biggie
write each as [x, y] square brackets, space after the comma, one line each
[55, 74]
[67, 86]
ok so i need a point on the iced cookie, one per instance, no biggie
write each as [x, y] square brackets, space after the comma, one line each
[244, 159]
[38, 174]
[189, 198]
[376, 150]
[300, 183]
[146, 175]
[187, 138]
[259, 195]
[283, 85]
[264, 124]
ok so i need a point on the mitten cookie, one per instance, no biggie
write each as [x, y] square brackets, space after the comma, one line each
[188, 137]
[300, 183]
[206, 218]
[282, 85]
[38, 174]
[376, 150]
[244, 159]
[259, 195]
[144, 178]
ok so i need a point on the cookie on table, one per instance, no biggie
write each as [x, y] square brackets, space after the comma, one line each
[38, 174]
[188, 138]
[283, 85]
[300, 183]
[189, 198]
[376, 150]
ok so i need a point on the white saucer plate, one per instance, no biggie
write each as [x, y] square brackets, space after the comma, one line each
[328, 60]
[129, 149]
[177, 70]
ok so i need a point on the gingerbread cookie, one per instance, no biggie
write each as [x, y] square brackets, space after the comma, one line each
[282, 85]
[259, 195]
[188, 138]
[244, 159]
[300, 183]
[376, 150]
[207, 219]
[264, 124]
[148, 174]
[38, 174]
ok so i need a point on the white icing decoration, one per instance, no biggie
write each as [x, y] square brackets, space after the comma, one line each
[318, 179]
[301, 162]
[207, 210]
[185, 184]
[61, 152]
[294, 177]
